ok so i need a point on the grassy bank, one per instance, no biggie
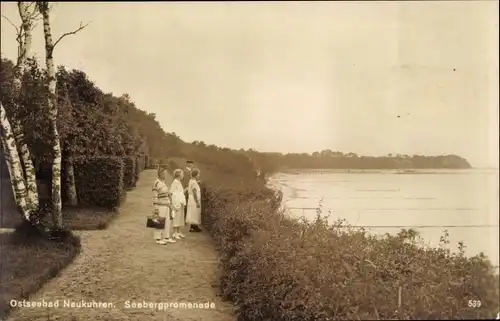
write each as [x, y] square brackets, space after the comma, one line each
[26, 264]
[74, 218]
[276, 268]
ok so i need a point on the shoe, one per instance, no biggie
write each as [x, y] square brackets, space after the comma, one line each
[180, 235]
[161, 242]
[177, 237]
[170, 240]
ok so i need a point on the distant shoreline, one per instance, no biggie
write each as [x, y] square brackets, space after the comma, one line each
[407, 171]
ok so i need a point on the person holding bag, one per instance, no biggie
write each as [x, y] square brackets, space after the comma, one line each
[162, 209]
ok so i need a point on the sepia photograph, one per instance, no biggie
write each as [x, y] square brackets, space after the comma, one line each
[249, 161]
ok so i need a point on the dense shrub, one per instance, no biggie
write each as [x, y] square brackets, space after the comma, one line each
[99, 181]
[170, 163]
[276, 268]
[151, 162]
[129, 172]
[141, 160]
[139, 167]
[163, 161]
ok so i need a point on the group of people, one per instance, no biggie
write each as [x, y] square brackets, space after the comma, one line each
[179, 204]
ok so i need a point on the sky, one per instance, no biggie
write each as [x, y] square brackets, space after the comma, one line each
[296, 76]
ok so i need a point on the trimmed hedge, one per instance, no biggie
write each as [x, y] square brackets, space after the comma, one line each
[276, 268]
[137, 169]
[163, 161]
[99, 181]
[151, 164]
[141, 162]
[129, 172]
[140, 165]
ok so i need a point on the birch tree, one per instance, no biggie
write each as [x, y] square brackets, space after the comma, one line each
[23, 180]
[66, 124]
[52, 101]
[14, 165]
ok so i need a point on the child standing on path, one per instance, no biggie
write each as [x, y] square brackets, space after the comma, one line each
[161, 206]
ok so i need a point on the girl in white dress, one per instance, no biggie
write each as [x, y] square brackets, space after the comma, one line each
[193, 215]
[161, 206]
[178, 203]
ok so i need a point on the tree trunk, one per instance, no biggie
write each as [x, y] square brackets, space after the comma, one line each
[70, 181]
[29, 169]
[14, 166]
[24, 47]
[23, 54]
[52, 103]
[56, 182]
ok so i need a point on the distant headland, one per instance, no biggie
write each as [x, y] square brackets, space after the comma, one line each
[327, 159]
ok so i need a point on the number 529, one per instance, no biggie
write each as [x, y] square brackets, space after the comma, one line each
[474, 303]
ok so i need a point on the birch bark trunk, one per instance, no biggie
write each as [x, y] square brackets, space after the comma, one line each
[14, 165]
[70, 181]
[44, 9]
[23, 182]
[52, 103]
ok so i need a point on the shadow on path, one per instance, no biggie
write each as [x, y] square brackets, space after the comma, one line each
[123, 263]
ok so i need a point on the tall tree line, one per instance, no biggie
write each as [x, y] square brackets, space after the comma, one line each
[49, 116]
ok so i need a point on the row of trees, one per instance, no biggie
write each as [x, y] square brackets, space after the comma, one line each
[49, 117]
[338, 160]
[14, 134]
[268, 163]
[52, 116]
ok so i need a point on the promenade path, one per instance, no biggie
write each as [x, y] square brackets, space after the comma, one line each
[123, 263]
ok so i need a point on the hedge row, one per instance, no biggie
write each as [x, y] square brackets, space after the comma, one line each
[129, 172]
[140, 165]
[276, 268]
[102, 181]
[99, 181]
[151, 162]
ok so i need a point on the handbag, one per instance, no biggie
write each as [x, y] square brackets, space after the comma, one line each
[155, 222]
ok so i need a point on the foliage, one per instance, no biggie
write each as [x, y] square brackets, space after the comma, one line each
[147, 162]
[99, 181]
[220, 159]
[129, 172]
[90, 122]
[326, 159]
[276, 268]
[140, 165]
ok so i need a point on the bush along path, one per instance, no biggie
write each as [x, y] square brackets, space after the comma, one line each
[123, 263]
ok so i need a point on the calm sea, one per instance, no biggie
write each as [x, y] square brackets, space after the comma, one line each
[464, 202]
